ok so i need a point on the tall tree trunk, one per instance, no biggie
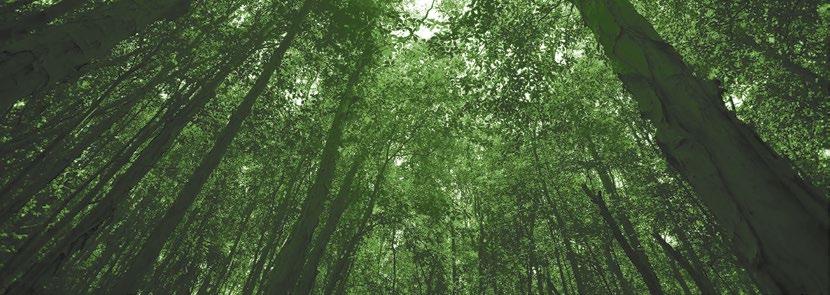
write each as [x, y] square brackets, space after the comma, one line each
[693, 257]
[62, 150]
[37, 19]
[701, 280]
[221, 279]
[614, 266]
[130, 280]
[338, 272]
[118, 160]
[61, 153]
[776, 221]
[481, 246]
[293, 254]
[679, 277]
[640, 262]
[600, 272]
[63, 52]
[274, 229]
[570, 255]
[270, 241]
[263, 248]
[561, 267]
[551, 287]
[610, 187]
[175, 119]
[170, 261]
[336, 210]
[36, 242]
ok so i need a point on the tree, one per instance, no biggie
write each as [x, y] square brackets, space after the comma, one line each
[414, 147]
[62, 52]
[733, 171]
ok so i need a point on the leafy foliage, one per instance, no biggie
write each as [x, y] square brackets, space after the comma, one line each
[486, 138]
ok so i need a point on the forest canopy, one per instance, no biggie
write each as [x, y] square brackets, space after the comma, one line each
[414, 147]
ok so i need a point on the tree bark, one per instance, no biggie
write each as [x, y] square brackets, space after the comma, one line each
[679, 277]
[38, 19]
[776, 221]
[610, 187]
[560, 266]
[63, 52]
[600, 272]
[687, 250]
[274, 228]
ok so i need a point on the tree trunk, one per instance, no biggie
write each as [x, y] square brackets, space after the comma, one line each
[610, 187]
[274, 230]
[614, 266]
[220, 281]
[693, 258]
[777, 222]
[701, 280]
[566, 238]
[601, 273]
[679, 277]
[338, 272]
[61, 153]
[38, 19]
[35, 243]
[63, 52]
[175, 121]
[292, 255]
[481, 246]
[570, 254]
[640, 262]
[561, 267]
[142, 263]
[336, 210]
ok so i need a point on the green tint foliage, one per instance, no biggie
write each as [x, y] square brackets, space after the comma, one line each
[475, 144]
